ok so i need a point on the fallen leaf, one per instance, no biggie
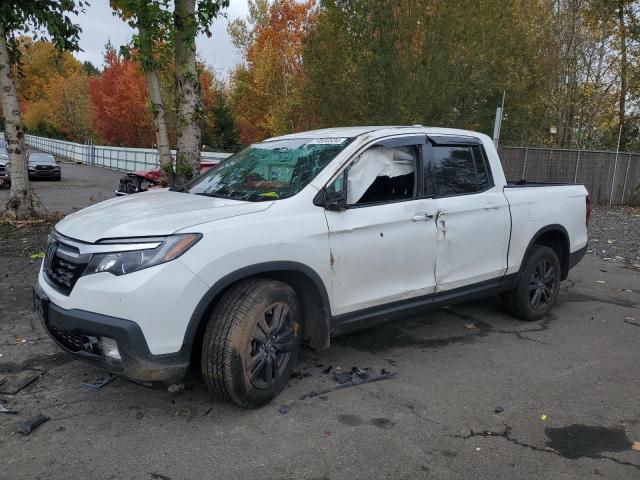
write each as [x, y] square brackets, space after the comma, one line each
[543, 417]
[35, 256]
[636, 446]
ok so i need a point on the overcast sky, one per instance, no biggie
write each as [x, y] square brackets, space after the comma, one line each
[99, 25]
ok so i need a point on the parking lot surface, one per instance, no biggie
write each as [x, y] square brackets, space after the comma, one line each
[80, 186]
[477, 394]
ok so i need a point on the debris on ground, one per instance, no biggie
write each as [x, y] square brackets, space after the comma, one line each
[27, 426]
[543, 417]
[299, 374]
[499, 410]
[176, 388]
[392, 362]
[343, 377]
[4, 409]
[284, 409]
[385, 371]
[327, 370]
[139, 415]
[354, 381]
[635, 446]
[360, 373]
[16, 381]
[99, 382]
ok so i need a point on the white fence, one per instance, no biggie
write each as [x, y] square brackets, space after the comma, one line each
[116, 158]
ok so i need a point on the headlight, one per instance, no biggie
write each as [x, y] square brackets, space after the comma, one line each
[121, 263]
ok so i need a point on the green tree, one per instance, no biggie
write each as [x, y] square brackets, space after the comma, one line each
[48, 19]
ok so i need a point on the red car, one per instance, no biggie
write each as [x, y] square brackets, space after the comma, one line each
[144, 180]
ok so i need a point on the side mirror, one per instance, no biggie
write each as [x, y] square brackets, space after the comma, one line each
[330, 200]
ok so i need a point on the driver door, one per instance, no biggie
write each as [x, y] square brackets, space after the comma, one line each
[383, 244]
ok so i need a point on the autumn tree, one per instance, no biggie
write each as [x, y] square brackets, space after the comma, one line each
[267, 90]
[50, 20]
[52, 91]
[120, 103]
[151, 19]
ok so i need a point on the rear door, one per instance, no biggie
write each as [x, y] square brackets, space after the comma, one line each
[383, 245]
[473, 221]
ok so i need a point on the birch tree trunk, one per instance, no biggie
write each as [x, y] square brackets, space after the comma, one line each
[188, 92]
[159, 115]
[21, 197]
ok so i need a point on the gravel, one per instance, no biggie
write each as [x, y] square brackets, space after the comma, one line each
[614, 234]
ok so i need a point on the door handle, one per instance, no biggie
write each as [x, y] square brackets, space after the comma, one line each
[422, 217]
[491, 206]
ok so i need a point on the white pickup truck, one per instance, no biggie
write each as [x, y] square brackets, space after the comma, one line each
[300, 238]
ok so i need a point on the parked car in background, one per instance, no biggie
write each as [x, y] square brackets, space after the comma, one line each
[5, 175]
[144, 180]
[43, 165]
[300, 238]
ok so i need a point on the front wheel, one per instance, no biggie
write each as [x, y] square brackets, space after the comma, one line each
[537, 290]
[252, 341]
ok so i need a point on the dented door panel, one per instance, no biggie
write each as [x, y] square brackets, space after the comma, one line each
[473, 239]
[381, 254]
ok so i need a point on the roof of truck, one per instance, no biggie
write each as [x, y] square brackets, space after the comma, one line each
[351, 132]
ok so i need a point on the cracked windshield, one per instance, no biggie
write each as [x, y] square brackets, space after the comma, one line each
[269, 170]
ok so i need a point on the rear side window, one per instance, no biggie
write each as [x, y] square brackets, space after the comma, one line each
[456, 170]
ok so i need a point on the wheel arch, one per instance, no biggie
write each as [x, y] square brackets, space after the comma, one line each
[307, 284]
[555, 237]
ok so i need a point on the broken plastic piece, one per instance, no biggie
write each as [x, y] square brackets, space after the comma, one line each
[352, 383]
[4, 409]
[284, 409]
[99, 382]
[343, 377]
[27, 426]
[499, 410]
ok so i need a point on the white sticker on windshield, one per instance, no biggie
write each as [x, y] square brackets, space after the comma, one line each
[328, 141]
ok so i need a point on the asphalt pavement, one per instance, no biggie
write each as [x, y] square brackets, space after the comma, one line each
[477, 394]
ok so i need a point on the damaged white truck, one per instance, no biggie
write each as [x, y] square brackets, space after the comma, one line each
[297, 239]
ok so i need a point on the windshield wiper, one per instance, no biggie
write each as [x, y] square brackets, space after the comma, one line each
[214, 195]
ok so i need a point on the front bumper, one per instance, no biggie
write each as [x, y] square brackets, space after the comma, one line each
[44, 174]
[70, 329]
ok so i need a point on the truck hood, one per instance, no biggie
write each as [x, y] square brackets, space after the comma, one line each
[158, 212]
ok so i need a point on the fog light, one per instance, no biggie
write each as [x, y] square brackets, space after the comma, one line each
[109, 347]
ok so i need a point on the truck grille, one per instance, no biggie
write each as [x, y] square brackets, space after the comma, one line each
[44, 167]
[67, 339]
[63, 266]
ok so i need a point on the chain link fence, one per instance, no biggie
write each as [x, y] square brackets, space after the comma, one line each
[114, 158]
[610, 177]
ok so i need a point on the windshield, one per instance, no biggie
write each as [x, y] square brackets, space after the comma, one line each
[269, 170]
[39, 159]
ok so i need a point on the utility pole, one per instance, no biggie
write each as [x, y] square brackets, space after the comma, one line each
[497, 126]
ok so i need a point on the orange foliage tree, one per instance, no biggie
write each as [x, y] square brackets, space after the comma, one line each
[267, 94]
[120, 103]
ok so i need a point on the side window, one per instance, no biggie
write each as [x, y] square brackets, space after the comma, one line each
[382, 175]
[450, 171]
[337, 185]
[485, 181]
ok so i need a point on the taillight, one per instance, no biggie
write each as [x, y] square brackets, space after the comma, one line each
[587, 201]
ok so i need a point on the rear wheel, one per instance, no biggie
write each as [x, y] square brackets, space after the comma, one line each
[537, 290]
[252, 341]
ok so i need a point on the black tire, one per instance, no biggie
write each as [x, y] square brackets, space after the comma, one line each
[249, 311]
[537, 290]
